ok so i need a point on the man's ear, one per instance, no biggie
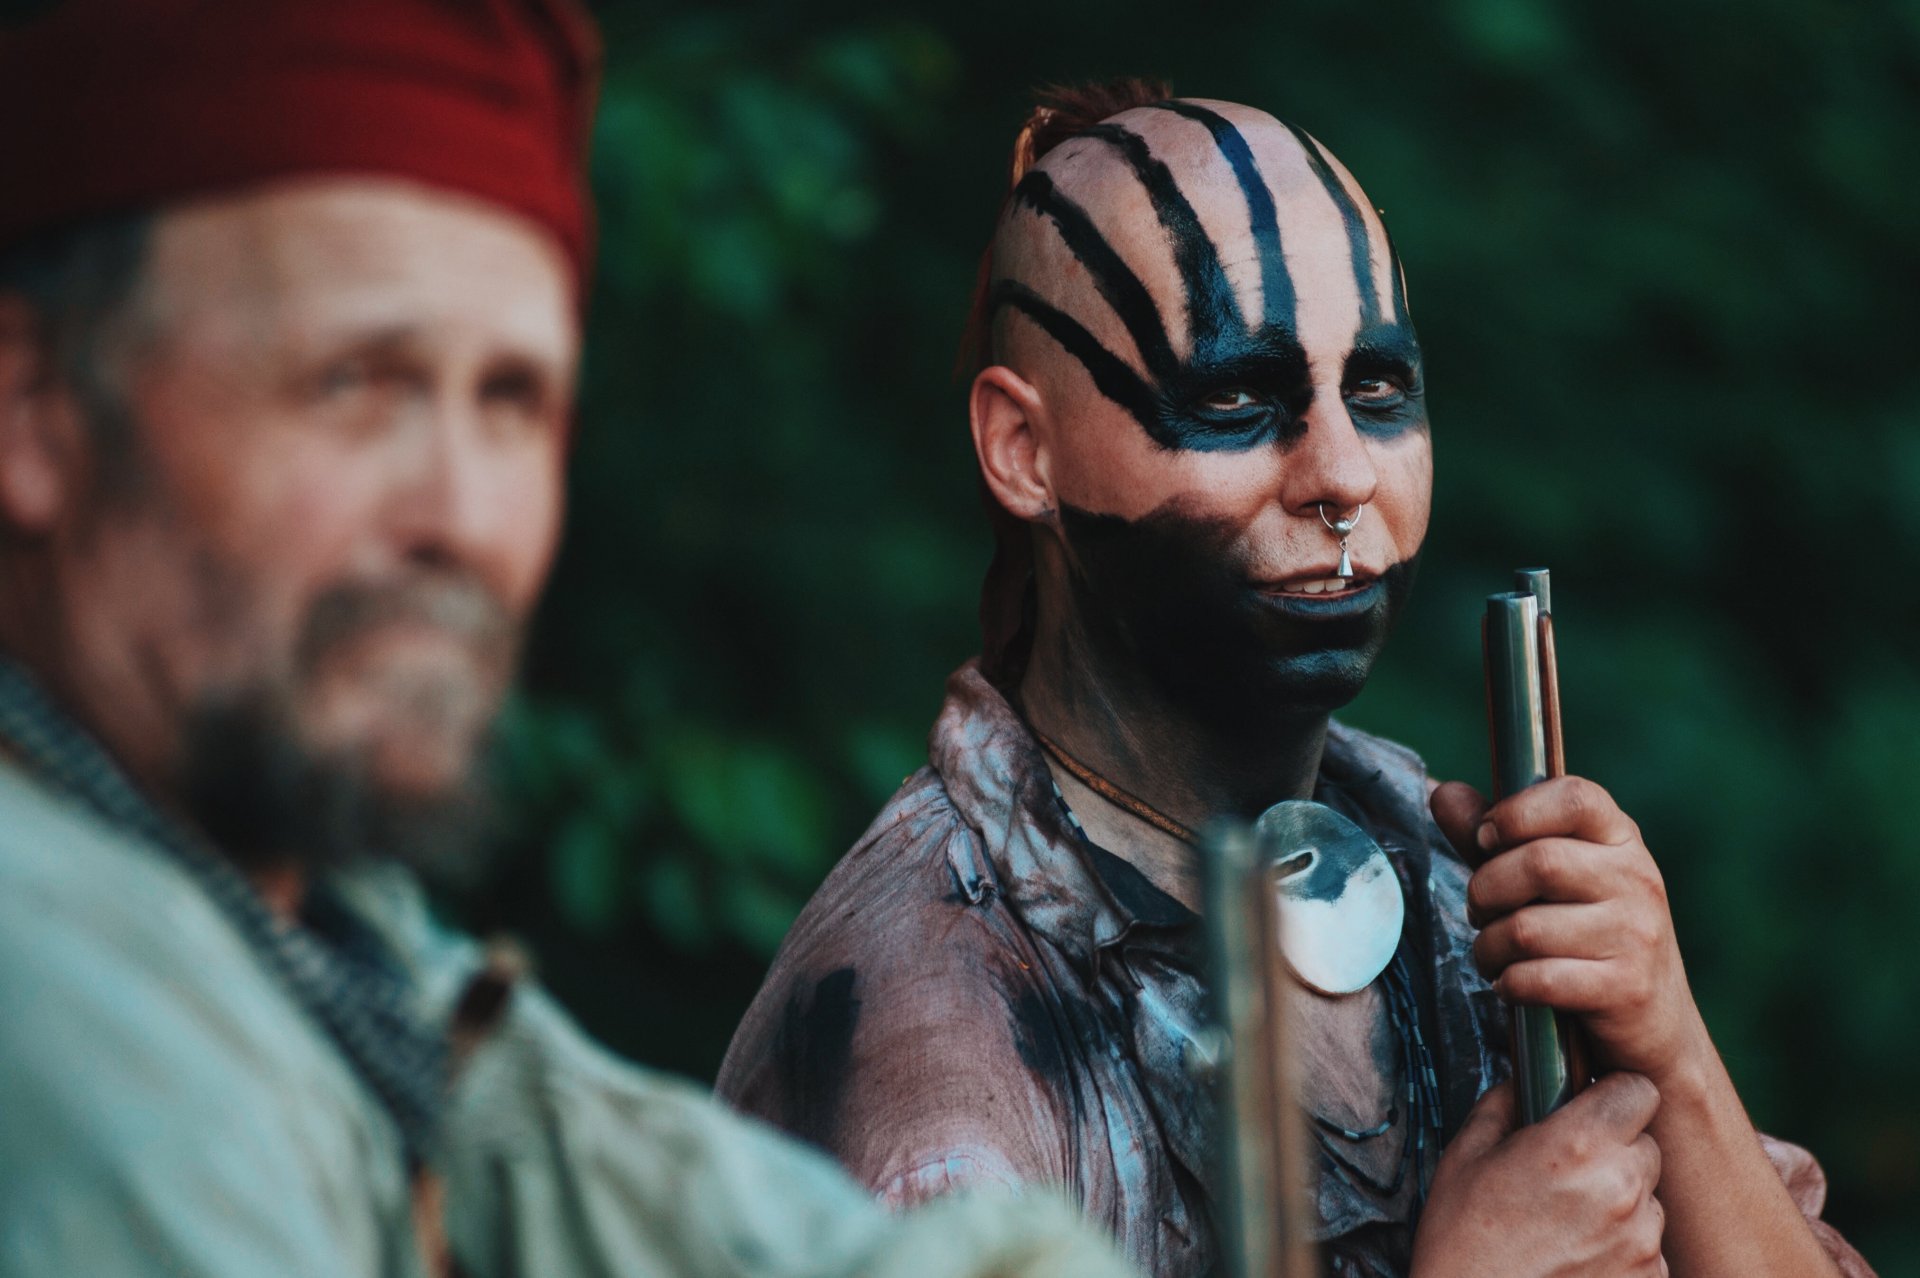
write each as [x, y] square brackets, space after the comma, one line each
[1003, 407]
[39, 428]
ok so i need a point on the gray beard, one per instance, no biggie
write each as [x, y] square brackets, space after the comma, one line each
[266, 800]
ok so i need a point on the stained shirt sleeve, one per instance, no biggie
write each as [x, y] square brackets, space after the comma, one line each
[1806, 1184]
[922, 1048]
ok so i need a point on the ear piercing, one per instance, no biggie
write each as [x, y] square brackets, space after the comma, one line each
[1342, 528]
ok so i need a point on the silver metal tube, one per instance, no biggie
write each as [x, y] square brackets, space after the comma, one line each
[1517, 716]
[1538, 583]
[1242, 1056]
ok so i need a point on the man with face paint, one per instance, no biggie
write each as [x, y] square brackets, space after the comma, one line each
[1202, 430]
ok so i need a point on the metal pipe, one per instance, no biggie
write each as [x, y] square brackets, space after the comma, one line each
[1242, 1057]
[1518, 716]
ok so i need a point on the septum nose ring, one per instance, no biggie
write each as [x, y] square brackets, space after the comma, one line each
[1342, 528]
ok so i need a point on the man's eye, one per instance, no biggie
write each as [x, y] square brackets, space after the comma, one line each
[342, 378]
[1376, 392]
[1232, 401]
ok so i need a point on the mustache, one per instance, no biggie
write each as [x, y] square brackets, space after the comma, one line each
[460, 606]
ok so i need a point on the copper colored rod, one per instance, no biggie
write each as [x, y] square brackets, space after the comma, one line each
[1579, 1053]
[1550, 699]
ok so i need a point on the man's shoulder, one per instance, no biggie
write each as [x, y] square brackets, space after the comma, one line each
[153, 1065]
[908, 936]
[918, 869]
[919, 858]
[70, 882]
[110, 953]
[48, 843]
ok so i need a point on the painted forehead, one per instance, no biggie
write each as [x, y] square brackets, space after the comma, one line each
[1187, 235]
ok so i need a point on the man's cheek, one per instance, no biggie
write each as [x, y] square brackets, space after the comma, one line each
[535, 496]
[1405, 495]
[1235, 486]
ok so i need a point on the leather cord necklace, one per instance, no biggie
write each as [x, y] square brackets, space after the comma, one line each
[1114, 794]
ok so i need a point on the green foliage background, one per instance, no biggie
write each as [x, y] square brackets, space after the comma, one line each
[1664, 260]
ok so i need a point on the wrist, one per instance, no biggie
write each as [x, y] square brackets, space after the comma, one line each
[1694, 1083]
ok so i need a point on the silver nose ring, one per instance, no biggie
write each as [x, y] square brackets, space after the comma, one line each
[1342, 528]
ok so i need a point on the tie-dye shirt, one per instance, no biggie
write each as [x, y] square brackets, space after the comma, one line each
[978, 994]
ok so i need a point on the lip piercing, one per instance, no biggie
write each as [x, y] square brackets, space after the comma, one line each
[1342, 528]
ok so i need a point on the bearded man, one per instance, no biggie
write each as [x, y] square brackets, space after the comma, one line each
[289, 299]
[1203, 431]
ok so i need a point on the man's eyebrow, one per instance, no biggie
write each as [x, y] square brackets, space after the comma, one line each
[1384, 346]
[1276, 356]
[359, 337]
[522, 371]
[405, 337]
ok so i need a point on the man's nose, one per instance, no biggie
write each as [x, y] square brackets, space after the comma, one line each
[1330, 467]
[451, 508]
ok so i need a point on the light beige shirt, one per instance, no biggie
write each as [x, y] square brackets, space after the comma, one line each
[167, 1109]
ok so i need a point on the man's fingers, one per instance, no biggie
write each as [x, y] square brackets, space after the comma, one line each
[1571, 807]
[1620, 1104]
[1567, 984]
[1549, 931]
[1564, 871]
[1650, 1224]
[1487, 1123]
[1458, 810]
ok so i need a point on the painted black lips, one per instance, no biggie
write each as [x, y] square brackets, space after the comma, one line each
[1348, 603]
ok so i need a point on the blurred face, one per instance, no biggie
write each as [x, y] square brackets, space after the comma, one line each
[1212, 326]
[349, 414]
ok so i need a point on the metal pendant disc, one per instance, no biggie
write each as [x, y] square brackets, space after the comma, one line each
[1341, 908]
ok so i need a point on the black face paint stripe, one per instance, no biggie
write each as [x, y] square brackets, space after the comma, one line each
[1359, 246]
[1211, 305]
[1112, 376]
[1117, 283]
[1176, 400]
[1399, 280]
[1276, 285]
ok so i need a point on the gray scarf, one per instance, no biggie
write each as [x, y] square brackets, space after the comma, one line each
[331, 961]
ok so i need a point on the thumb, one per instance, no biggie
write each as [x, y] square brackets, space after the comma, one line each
[1620, 1103]
[1488, 1123]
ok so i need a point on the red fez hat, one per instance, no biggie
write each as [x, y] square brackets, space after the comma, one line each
[118, 105]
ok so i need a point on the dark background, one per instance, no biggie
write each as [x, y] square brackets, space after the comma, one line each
[1664, 263]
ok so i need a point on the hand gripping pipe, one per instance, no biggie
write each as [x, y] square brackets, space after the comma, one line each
[1523, 718]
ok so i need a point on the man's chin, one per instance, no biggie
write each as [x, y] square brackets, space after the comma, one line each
[1318, 682]
[1294, 688]
[413, 764]
[267, 793]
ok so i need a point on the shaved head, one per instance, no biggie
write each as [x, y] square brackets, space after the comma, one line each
[1174, 243]
[1201, 359]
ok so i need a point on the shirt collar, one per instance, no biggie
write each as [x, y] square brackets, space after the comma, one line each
[1083, 897]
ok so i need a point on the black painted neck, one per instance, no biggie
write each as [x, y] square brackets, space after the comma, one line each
[1123, 726]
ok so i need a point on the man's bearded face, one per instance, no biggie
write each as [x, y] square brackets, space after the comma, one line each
[350, 420]
[1216, 325]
